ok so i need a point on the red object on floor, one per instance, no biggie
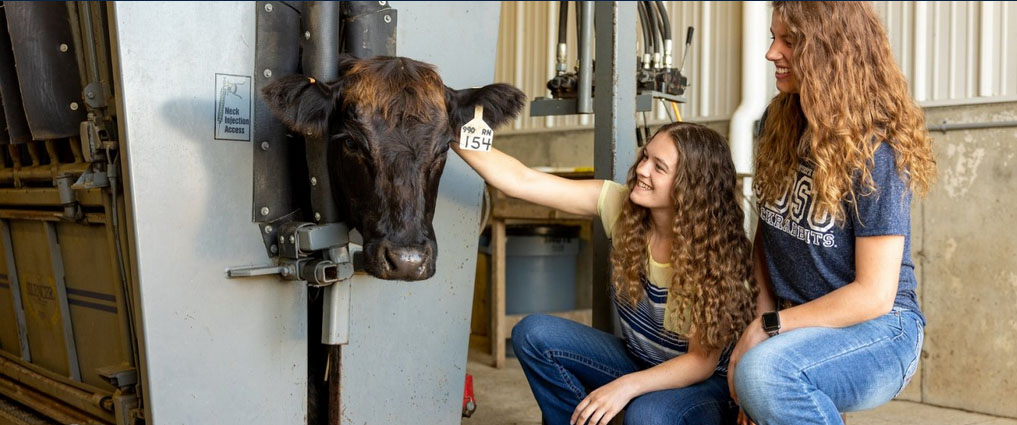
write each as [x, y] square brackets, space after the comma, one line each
[469, 404]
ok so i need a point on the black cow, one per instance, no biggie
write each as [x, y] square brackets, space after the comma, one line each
[390, 120]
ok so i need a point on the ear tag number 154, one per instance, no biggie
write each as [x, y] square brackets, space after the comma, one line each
[476, 135]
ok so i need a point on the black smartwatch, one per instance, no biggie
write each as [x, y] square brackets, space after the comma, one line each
[771, 323]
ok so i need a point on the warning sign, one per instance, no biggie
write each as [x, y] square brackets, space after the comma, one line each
[233, 107]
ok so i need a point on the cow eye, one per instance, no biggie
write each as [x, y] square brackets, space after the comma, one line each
[348, 141]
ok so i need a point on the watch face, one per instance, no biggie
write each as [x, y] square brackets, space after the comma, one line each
[771, 321]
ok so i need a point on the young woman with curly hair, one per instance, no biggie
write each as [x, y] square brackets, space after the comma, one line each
[681, 272]
[843, 148]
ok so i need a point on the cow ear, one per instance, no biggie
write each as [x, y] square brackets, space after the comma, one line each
[501, 102]
[302, 103]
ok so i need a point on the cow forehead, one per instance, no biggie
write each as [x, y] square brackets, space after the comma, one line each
[395, 89]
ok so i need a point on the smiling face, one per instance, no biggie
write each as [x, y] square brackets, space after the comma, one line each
[781, 53]
[655, 173]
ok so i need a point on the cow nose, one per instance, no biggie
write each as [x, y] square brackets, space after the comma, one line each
[407, 262]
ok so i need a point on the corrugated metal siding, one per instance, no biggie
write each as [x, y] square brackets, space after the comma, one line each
[955, 52]
[526, 57]
[967, 52]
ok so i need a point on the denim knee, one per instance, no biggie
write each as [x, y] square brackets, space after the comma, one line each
[641, 411]
[761, 376]
[528, 336]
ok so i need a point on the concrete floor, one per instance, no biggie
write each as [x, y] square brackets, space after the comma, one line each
[504, 398]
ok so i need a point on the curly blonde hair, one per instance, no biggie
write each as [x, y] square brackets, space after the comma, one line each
[710, 254]
[851, 96]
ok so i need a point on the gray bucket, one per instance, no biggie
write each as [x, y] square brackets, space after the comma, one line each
[540, 268]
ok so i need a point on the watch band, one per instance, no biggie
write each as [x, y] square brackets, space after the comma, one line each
[771, 323]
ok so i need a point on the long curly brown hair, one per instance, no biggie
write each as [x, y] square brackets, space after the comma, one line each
[851, 96]
[710, 253]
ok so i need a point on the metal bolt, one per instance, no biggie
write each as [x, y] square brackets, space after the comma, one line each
[317, 217]
[285, 271]
[90, 95]
[268, 73]
[307, 35]
[264, 211]
[282, 239]
[264, 146]
[268, 230]
[63, 47]
[388, 19]
[274, 248]
[268, 7]
[74, 106]
[382, 3]
[291, 239]
[314, 181]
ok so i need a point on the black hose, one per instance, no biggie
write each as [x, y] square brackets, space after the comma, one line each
[666, 22]
[651, 12]
[563, 21]
[647, 39]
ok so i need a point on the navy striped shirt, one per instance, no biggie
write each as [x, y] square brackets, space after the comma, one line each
[643, 329]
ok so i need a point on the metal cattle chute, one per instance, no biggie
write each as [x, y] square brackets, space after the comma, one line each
[164, 181]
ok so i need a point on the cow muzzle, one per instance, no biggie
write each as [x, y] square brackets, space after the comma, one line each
[413, 262]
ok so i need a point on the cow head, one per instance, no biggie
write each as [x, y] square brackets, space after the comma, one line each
[388, 122]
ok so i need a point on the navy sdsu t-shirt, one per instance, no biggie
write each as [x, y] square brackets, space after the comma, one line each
[808, 255]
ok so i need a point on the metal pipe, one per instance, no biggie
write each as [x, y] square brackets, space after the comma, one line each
[563, 24]
[14, 281]
[92, 58]
[584, 93]
[33, 152]
[54, 158]
[75, 26]
[43, 173]
[76, 148]
[658, 44]
[755, 23]
[47, 197]
[666, 28]
[647, 39]
[614, 148]
[944, 126]
[43, 404]
[85, 401]
[15, 152]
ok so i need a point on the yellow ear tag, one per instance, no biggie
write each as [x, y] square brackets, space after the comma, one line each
[476, 135]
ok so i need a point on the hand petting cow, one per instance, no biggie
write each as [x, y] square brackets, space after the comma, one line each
[389, 121]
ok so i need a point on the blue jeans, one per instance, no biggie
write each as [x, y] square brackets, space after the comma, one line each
[809, 375]
[564, 360]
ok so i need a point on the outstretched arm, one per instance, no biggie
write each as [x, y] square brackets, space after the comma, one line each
[513, 178]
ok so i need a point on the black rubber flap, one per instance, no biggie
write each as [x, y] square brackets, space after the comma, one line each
[47, 68]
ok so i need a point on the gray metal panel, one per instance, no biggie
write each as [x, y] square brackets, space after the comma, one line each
[614, 149]
[214, 350]
[406, 359]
